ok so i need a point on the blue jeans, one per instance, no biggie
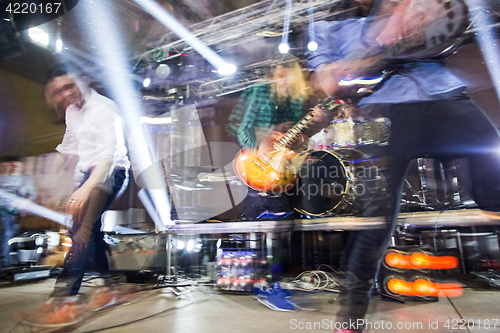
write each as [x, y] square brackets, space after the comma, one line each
[442, 130]
[8, 228]
[75, 265]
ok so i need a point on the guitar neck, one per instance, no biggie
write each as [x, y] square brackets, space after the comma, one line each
[294, 132]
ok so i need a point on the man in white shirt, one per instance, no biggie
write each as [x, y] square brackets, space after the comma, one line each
[94, 134]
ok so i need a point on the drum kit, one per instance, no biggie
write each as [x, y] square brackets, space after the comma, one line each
[345, 169]
[345, 172]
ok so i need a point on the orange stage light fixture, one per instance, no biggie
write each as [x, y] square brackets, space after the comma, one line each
[419, 260]
[398, 260]
[424, 288]
[401, 287]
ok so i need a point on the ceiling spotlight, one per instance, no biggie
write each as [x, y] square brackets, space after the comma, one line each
[59, 46]
[162, 71]
[39, 36]
[227, 69]
[190, 245]
[312, 46]
[147, 82]
[284, 48]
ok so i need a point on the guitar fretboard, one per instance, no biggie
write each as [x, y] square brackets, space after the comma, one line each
[293, 132]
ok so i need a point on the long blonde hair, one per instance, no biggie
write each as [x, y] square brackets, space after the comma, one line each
[296, 84]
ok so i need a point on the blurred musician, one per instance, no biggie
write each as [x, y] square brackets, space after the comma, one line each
[94, 134]
[430, 114]
[273, 106]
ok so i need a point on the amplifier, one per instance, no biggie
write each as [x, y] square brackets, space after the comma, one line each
[137, 252]
[17, 274]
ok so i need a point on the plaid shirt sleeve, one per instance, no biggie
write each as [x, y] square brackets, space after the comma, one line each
[255, 110]
[252, 111]
[237, 114]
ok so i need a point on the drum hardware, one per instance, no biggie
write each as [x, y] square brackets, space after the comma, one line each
[343, 133]
[337, 182]
[459, 184]
[437, 185]
[373, 131]
[416, 194]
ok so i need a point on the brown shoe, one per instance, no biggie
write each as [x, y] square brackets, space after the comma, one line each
[66, 314]
[102, 298]
[56, 312]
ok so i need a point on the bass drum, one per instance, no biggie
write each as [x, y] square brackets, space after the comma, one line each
[340, 182]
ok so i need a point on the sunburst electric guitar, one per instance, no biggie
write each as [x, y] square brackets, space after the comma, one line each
[272, 167]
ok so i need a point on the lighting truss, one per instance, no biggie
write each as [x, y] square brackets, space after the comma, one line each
[232, 28]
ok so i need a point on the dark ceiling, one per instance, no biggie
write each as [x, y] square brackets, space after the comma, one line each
[138, 30]
[27, 126]
[140, 33]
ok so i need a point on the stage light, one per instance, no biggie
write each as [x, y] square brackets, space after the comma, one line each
[419, 260]
[312, 46]
[227, 69]
[400, 287]
[423, 288]
[158, 12]
[162, 71]
[59, 46]
[219, 243]
[360, 81]
[423, 261]
[197, 247]
[284, 48]
[147, 82]
[398, 260]
[96, 20]
[190, 245]
[180, 245]
[39, 36]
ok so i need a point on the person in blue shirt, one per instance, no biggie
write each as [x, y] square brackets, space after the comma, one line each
[12, 180]
[431, 116]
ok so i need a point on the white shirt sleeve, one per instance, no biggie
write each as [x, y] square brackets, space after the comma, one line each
[109, 128]
[68, 145]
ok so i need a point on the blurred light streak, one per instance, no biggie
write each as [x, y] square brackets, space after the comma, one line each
[487, 40]
[170, 22]
[312, 45]
[286, 24]
[97, 21]
[146, 201]
[360, 81]
[26, 206]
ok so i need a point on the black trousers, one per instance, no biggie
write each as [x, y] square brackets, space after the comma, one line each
[444, 129]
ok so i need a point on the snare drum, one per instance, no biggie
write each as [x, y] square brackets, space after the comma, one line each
[343, 181]
[343, 133]
[373, 131]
